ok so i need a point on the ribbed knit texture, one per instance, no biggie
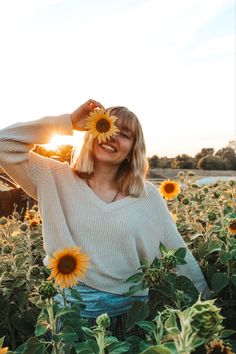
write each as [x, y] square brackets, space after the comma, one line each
[115, 236]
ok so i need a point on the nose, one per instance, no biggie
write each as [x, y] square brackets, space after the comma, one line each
[113, 137]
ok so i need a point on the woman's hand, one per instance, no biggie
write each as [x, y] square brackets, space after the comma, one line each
[79, 116]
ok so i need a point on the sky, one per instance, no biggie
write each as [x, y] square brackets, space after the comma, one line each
[171, 62]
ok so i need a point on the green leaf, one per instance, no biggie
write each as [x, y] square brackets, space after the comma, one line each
[214, 245]
[19, 350]
[118, 347]
[40, 329]
[88, 331]
[227, 333]
[163, 249]
[158, 349]
[18, 283]
[233, 253]
[219, 281]
[134, 278]
[1, 342]
[171, 346]
[171, 325]
[233, 279]
[225, 256]
[148, 326]
[68, 335]
[75, 294]
[88, 347]
[144, 262]
[33, 345]
[138, 312]
[180, 253]
[134, 289]
[63, 312]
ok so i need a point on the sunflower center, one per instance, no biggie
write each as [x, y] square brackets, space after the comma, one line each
[103, 125]
[67, 264]
[169, 187]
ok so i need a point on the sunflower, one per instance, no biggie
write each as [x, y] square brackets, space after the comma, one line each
[218, 346]
[169, 189]
[101, 125]
[232, 227]
[68, 265]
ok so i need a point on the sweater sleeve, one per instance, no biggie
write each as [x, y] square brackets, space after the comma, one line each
[173, 240]
[16, 142]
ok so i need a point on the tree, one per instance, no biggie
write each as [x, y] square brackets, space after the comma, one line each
[154, 161]
[183, 161]
[211, 162]
[228, 155]
[204, 152]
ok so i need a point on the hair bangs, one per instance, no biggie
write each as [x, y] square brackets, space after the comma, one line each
[126, 120]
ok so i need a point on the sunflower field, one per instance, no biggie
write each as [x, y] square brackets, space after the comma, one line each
[174, 319]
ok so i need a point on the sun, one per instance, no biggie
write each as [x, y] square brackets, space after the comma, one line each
[58, 140]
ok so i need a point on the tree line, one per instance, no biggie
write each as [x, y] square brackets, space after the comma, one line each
[206, 159]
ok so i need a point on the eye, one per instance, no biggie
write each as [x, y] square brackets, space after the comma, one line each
[125, 134]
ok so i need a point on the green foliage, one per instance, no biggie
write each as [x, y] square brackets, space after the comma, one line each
[31, 321]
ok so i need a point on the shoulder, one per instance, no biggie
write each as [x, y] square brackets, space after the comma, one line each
[154, 197]
[152, 189]
[45, 166]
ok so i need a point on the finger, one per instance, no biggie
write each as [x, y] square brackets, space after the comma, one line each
[92, 104]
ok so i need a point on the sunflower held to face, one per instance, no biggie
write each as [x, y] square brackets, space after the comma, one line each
[169, 189]
[68, 266]
[101, 125]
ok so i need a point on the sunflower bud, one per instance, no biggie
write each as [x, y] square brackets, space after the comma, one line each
[205, 190]
[3, 220]
[103, 320]
[7, 249]
[35, 271]
[153, 276]
[232, 182]
[205, 319]
[216, 194]
[35, 208]
[24, 227]
[47, 290]
[16, 215]
[185, 201]
[169, 261]
[180, 197]
[212, 216]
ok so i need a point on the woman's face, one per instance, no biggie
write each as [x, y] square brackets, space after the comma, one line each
[115, 150]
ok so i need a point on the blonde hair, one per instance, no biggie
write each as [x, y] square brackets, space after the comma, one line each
[131, 174]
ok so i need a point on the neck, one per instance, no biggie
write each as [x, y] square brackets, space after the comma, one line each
[105, 175]
[103, 183]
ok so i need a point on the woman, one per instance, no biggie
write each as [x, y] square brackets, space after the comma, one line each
[100, 203]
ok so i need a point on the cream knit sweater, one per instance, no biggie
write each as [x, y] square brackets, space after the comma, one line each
[115, 236]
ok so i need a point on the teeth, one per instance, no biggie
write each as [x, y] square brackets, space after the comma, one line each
[108, 147]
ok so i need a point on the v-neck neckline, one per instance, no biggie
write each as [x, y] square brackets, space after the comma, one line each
[101, 203]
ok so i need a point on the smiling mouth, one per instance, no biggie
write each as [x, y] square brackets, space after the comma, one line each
[108, 147]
